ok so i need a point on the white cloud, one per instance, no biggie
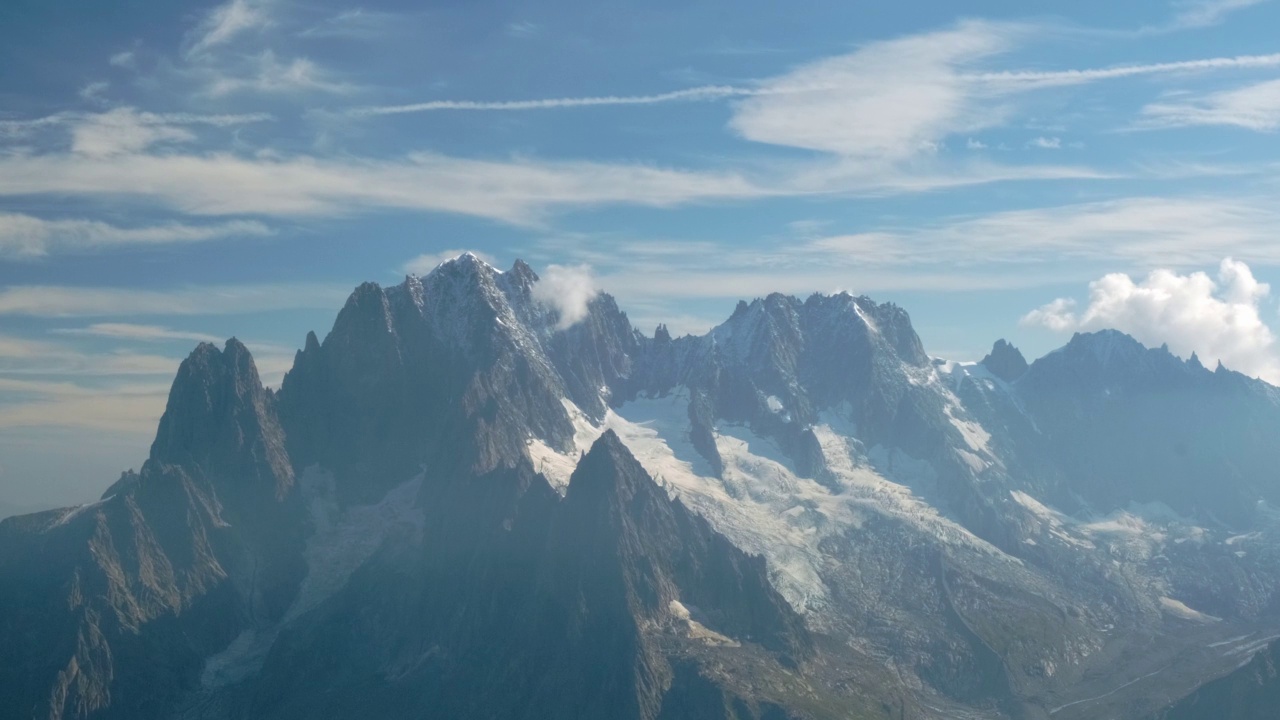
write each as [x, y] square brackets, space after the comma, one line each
[28, 236]
[1016, 80]
[124, 129]
[1058, 315]
[1046, 143]
[886, 101]
[425, 263]
[1178, 231]
[225, 22]
[95, 92]
[705, 92]
[1255, 107]
[1203, 13]
[266, 74]
[974, 144]
[23, 356]
[518, 191]
[124, 59]
[127, 130]
[567, 289]
[131, 331]
[120, 131]
[83, 301]
[1220, 321]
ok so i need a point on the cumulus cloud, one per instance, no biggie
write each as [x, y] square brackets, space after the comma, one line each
[1220, 319]
[568, 290]
[1046, 143]
[425, 263]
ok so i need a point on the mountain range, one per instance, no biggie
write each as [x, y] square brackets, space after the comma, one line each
[460, 504]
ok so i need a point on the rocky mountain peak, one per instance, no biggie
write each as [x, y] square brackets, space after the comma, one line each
[1105, 346]
[608, 471]
[1005, 361]
[222, 422]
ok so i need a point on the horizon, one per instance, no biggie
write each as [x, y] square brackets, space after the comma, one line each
[204, 170]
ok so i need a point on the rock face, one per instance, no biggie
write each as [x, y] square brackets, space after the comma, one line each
[457, 507]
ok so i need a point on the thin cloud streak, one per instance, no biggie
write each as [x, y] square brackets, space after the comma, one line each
[703, 93]
[78, 301]
[131, 331]
[26, 236]
[1052, 78]
[1023, 79]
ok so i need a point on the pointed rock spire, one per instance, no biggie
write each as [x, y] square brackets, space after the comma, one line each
[1005, 361]
[220, 422]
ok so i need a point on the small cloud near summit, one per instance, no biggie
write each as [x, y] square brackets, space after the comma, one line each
[567, 289]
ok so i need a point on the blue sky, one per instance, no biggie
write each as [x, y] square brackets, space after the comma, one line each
[173, 172]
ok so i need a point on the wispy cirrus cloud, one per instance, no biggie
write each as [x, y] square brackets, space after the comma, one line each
[133, 331]
[225, 22]
[266, 74]
[515, 191]
[1253, 107]
[26, 236]
[88, 301]
[1194, 14]
[125, 129]
[1172, 231]
[354, 24]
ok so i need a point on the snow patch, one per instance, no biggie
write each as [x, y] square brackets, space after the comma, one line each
[71, 513]
[697, 630]
[343, 541]
[1180, 610]
[558, 466]
[763, 506]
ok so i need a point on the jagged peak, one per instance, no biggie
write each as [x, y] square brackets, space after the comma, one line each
[467, 262]
[220, 419]
[1005, 361]
[207, 361]
[522, 273]
[607, 469]
[1105, 346]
